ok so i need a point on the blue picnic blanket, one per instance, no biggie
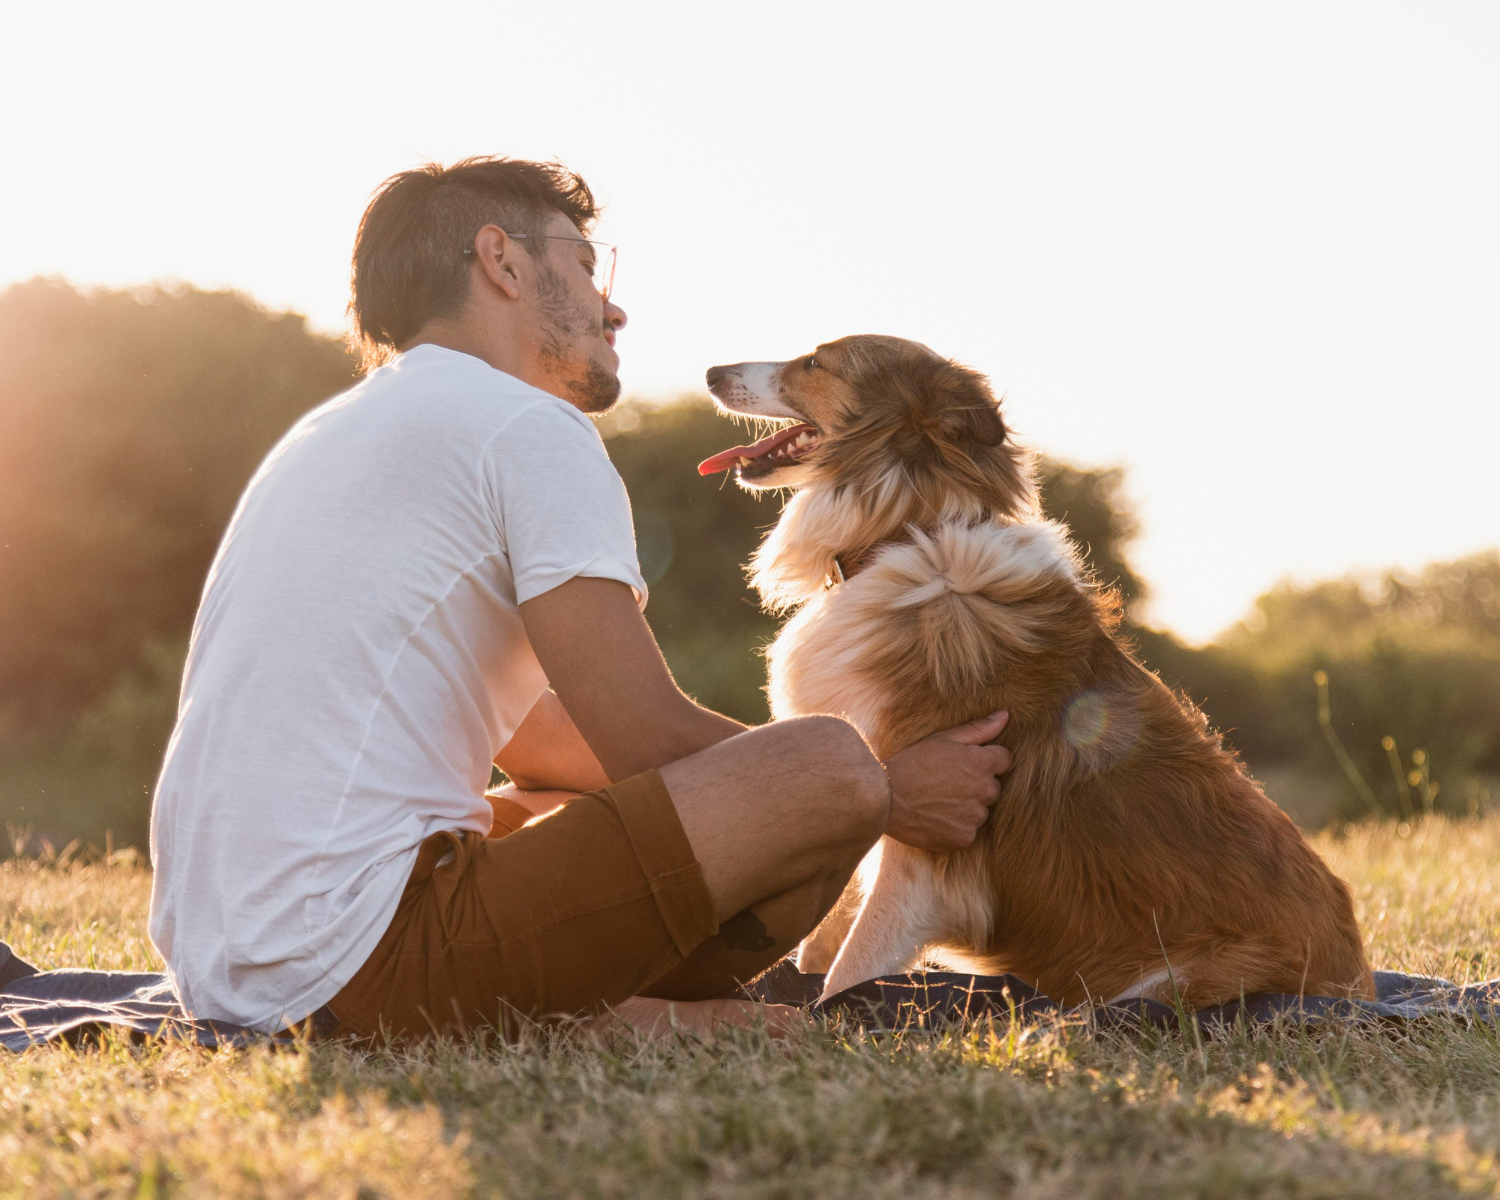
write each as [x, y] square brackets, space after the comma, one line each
[937, 997]
[71, 1005]
[37, 1007]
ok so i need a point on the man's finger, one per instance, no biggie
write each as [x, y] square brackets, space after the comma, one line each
[977, 732]
[1000, 759]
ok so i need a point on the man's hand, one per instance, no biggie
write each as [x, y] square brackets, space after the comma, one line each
[942, 788]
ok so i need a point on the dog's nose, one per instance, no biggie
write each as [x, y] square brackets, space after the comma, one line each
[715, 376]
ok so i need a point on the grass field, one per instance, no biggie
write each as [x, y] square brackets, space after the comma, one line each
[1050, 1112]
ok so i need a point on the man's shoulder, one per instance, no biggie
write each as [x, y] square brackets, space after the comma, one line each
[459, 386]
[430, 392]
[437, 372]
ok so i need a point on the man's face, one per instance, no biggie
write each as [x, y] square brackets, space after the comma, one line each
[575, 326]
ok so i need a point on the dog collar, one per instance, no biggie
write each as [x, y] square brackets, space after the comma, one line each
[848, 564]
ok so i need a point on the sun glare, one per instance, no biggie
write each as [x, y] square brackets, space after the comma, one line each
[1249, 254]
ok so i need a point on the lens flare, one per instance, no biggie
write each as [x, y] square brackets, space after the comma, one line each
[1103, 731]
[1086, 720]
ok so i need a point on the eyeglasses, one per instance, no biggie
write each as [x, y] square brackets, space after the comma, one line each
[604, 258]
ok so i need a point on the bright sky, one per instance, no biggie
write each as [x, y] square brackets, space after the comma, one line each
[1249, 251]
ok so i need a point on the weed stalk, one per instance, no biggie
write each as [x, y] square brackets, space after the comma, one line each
[1351, 772]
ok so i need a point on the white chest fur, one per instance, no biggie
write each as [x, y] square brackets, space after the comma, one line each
[816, 663]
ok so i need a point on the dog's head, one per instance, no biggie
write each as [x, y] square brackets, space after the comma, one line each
[876, 415]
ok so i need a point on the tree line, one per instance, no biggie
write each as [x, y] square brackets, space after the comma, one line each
[131, 420]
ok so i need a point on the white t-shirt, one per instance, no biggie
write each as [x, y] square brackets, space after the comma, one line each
[356, 664]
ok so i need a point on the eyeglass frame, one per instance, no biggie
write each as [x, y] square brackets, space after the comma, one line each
[607, 271]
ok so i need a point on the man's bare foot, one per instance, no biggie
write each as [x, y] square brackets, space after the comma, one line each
[654, 1019]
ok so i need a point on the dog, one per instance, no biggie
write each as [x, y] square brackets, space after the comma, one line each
[1130, 854]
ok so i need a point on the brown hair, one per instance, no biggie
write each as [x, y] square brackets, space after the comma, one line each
[408, 266]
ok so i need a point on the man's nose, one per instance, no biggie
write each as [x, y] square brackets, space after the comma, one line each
[614, 317]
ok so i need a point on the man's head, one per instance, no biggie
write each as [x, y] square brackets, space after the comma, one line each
[496, 247]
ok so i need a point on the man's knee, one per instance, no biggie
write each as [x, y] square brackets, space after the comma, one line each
[841, 776]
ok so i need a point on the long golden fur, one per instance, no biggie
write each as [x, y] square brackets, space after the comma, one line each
[1130, 854]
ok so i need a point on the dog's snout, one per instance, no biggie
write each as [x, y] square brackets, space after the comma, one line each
[716, 376]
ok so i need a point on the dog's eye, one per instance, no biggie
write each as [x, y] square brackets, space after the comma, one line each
[811, 362]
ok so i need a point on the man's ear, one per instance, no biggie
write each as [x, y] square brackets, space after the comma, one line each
[495, 252]
[971, 413]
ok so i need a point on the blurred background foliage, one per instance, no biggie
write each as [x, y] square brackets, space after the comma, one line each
[130, 422]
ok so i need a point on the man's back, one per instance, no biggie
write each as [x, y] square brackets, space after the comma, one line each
[357, 662]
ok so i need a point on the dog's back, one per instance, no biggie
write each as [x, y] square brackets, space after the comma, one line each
[1130, 854]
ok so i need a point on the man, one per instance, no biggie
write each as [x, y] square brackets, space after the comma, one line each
[436, 571]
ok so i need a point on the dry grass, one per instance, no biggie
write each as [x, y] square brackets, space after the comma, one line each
[1053, 1112]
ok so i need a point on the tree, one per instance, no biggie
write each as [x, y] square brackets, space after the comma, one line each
[131, 421]
[1413, 657]
[1091, 503]
[129, 424]
[694, 536]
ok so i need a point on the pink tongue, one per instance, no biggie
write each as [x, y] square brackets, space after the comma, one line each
[725, 459]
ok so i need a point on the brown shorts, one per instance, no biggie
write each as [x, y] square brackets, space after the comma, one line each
[578, 910]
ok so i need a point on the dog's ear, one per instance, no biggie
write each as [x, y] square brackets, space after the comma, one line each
[970, 413]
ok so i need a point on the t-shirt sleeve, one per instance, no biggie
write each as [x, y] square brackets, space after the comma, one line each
[560, 504]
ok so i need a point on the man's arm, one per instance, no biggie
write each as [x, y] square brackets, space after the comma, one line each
[606, 669]
[547, 753]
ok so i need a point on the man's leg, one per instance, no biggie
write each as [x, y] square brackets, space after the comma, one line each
[739, 796]
[778, 807]
[795, 805]
[779, 818]
[514, 807]
[744, 945]
[610, 894]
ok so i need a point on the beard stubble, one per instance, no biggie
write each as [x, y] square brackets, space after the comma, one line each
[589, 384]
